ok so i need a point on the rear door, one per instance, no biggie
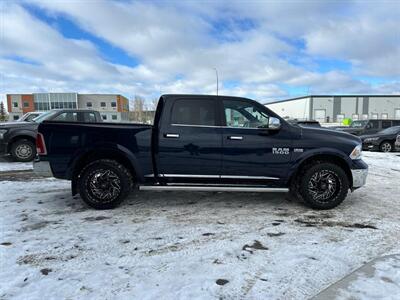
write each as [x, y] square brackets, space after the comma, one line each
[190, 139]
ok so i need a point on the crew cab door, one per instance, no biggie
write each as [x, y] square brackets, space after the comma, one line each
[251, 150]
[190, 139]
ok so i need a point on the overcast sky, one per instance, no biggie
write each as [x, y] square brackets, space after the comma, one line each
[265, 50]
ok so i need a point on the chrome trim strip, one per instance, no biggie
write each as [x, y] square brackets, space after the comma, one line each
[217, 176]
[212, 189]
[188, 125]
[211, 126]
[189, 176]
[149, 175]
[248, 177]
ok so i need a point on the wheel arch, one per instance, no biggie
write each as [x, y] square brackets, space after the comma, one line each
[322, 157]
[117, 153]
[16, 138]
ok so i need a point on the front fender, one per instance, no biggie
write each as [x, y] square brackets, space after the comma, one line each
[315, 153]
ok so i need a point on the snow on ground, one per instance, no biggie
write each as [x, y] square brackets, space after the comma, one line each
[180, 245]
[385, 280]
[14, 166]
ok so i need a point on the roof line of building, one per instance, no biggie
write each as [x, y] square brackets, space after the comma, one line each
[348, 95]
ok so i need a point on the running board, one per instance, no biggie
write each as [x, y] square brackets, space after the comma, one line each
[212, 189]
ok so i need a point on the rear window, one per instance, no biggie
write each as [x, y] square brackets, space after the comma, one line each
[193, 112]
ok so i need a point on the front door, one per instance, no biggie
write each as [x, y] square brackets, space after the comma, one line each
[251, 150]
[190, 139]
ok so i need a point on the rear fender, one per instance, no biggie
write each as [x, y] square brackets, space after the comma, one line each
[87, 155]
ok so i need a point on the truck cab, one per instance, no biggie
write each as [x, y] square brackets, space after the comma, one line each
[201, 142]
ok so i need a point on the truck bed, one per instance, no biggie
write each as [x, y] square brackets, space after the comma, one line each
[73, 141]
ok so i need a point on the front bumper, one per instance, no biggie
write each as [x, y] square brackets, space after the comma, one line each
[359, 177]
[3, 149]
[370, 146]
[42, 168]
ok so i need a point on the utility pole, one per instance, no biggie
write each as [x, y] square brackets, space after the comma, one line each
[216, 74]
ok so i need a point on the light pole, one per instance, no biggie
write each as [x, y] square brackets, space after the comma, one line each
[216, 74]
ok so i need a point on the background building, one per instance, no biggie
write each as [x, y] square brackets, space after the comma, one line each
[330, 108]
[112, 107]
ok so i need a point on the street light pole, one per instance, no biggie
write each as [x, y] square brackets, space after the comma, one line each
[216, 74]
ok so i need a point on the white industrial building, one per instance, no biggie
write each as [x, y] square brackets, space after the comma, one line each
[335, 108]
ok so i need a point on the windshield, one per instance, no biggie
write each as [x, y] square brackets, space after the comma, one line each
[358, 124]
[391, 130]
[44, 116]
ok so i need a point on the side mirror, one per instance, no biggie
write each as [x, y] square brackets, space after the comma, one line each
[274, 123]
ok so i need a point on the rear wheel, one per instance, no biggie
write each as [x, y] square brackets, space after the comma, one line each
[323, 186]
[104, 184]
[23, 150]
[386, 147]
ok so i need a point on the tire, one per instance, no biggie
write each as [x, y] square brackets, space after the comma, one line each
[323, 185]
[104, 184]
[23, 150]
[386, 146]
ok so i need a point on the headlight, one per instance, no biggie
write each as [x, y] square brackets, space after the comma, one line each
[356, 153]
[2, 132]
[371, 139]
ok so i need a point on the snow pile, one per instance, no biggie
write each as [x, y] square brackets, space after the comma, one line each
[15, 166]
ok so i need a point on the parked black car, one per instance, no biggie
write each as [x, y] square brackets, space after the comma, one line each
[28, 117]
[18, 138]
[382, 141]
[363, 127]
[199, 143]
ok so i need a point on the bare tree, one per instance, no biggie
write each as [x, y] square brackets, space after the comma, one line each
[138, 109]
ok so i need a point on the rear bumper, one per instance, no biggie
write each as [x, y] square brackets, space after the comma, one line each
[42, 168]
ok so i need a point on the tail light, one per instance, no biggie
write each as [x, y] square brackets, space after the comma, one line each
[40, 145]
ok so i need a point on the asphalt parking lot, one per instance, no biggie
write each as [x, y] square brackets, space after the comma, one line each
[180, 245]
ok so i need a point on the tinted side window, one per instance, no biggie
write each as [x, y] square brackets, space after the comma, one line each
[89, 117]
[66, 117]
[396, 123]
[244, 114]
[373, 124]
[386, 124]
[194, 112]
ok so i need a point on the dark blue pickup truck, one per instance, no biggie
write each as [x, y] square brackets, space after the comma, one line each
[202, 143]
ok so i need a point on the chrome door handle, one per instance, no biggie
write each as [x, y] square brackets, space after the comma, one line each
[172, 135]
[233, 137]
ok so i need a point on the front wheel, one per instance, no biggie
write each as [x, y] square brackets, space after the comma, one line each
[23, 150]
[104, 184]
[324, 186]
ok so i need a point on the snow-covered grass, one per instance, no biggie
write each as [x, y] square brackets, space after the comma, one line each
[183, 245]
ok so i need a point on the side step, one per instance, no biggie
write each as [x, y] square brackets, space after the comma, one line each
[212, 188]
